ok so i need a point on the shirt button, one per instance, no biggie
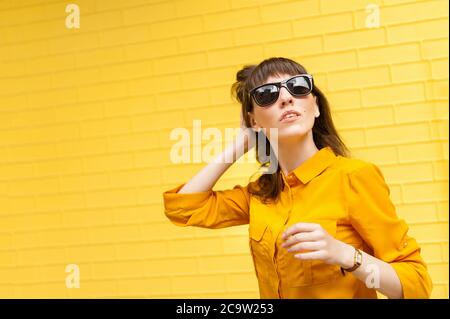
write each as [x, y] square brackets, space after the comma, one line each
[405, 244]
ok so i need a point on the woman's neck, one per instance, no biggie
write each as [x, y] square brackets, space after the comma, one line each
[293, 152]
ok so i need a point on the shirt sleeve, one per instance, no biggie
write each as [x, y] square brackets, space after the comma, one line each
[374, 217]
[209, 209]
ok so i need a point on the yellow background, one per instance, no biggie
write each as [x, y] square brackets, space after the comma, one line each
[85, 117]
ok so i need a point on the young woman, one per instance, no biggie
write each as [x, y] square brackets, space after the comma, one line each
[323, 224]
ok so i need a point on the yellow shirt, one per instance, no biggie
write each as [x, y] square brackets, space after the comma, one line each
[348, 197]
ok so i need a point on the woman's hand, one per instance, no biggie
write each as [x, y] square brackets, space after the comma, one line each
[309, 241]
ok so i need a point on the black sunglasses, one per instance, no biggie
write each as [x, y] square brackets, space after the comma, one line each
[267, 94]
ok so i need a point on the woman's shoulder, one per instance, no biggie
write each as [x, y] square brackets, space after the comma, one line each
[350, 165]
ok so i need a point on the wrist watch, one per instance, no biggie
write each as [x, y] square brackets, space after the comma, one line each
[357, 262]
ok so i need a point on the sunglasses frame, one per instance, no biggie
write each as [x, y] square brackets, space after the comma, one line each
[281, 84]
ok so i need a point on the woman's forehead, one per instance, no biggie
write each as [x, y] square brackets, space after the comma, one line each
[277, 78]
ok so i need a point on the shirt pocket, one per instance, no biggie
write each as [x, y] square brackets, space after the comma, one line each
[313, 272]
[259, 248]
[321, 272]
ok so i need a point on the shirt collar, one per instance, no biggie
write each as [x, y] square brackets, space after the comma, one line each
[314, 165]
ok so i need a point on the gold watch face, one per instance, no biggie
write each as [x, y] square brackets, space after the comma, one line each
[359, 258]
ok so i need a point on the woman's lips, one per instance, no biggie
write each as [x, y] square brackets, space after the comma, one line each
[290, 118]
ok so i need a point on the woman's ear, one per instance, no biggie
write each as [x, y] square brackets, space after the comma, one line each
[253, 123]
[316, 107]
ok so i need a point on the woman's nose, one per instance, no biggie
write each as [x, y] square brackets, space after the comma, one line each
[285, 96]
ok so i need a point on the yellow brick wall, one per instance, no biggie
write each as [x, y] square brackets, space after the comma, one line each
[85, 118]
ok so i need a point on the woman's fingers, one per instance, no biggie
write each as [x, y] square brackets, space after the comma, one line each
[300, 237]
[308, 245]
[314, 255]
[300, 227]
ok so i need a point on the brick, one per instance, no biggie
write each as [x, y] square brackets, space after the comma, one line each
[231, 20]
[441, 110]
[20, 205]
[99, 56]
[439, 129]
[439, 272]
[41, 257]
[81, 148]
[129, 106]
[418, 31]
[173, 266]
[146, 250]
[180, 64]
[408, 72]
[434, 191]
[126, 71]
[435, 49]
[444, 251]
[123, 36]
[407, 173]
[87, 218]
[381, 155]
[208, 78]
[432, 252]
[389, 55]
[295, 46]
[165, 230]
[196, 247]
[393, 94]
[158, 121]
[141, 214]
[263, 33]
[437, 90]
[439, 69]
[440, 170]
[359, 78]
[29, 50]
[418, 212]
[105, 127]
[78, 112]
[149, 13]
[103, 91]
[364, 118]
[426, 151]
[149, 195]
[236, 245]
[183, 8]
[289, 11]
[354, 40]
[330, 6]
[135, 178]
[394, 135]
[151, 49]
[414, 112]
[244, 55]
[344, 99]
[183, 99]
[443, 210]
[440, 291]
[223, 264]
[210, 40]
[327, 62]
[354, 137]
[413, 12]
[199, 284]
[54, 133]
[339, 22]
[34, 152]
[176, 28]
[242, 281]
[111, 198]
[237, 4]
[90, 254]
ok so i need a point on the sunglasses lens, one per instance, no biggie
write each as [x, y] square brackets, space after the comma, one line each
[300, 85]
[266, 95]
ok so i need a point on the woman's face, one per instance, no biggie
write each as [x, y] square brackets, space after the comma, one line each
[272, 116]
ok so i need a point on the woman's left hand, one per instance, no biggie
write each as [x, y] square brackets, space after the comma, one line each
[318, 242]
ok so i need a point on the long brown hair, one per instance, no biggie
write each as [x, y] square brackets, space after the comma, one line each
[269, 186]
